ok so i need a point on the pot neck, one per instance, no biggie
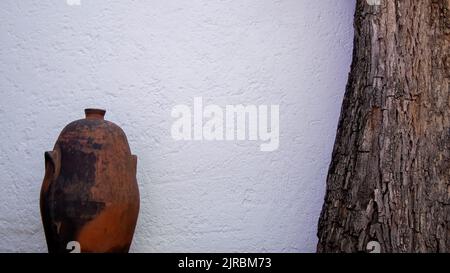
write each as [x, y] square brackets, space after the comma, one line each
[92, 113]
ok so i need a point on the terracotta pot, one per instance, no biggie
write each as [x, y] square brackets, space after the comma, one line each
[90, 196]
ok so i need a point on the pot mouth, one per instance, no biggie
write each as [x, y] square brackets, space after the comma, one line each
[93, 113]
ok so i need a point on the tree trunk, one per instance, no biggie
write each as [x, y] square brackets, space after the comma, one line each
[389, 179]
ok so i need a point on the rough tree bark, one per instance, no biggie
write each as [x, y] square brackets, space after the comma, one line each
[389, 179]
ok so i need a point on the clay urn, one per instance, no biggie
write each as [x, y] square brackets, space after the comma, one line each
[90, 197]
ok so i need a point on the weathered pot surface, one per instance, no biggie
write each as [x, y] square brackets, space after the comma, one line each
[89, 195]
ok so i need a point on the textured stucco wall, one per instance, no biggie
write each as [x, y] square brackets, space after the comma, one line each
[138, 59]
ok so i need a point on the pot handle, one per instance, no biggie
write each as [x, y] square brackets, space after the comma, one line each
[52, 163]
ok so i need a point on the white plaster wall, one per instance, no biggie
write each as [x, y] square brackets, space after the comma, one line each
[138, 59]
